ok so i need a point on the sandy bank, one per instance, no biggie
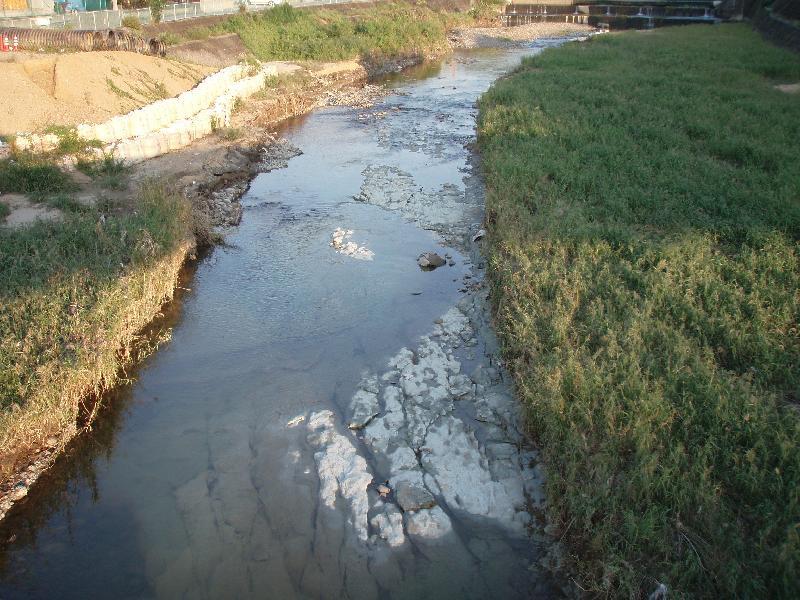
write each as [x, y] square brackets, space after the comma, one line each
[87, 87]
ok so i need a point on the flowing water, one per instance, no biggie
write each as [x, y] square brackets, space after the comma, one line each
[226, 470]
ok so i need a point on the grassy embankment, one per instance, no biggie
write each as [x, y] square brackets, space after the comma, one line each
[74, 293]
[644, 214]
[372, 32]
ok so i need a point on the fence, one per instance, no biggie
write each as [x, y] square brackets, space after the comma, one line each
[111, 19]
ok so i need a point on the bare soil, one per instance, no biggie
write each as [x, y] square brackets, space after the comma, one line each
[219, 51]
[789, 88]
[40, 90]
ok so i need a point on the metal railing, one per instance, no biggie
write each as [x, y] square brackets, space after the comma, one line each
[112, 19]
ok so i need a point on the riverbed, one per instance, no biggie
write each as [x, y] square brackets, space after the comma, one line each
[328, 419]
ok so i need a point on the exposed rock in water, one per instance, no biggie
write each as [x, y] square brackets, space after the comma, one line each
[219, 197]
[440, 209]
[389, 525]
[340, 243]
[430, 261]
[428, 450]
[361, 97]
[277, 155]
[364, 407]
[342, 471]
[413, 497]
[428, 524]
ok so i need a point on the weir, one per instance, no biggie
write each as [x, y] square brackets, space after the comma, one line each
[614, 14]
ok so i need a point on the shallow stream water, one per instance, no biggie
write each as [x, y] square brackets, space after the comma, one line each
[227, 469]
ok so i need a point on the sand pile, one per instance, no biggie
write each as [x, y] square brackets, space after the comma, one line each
[87, 87]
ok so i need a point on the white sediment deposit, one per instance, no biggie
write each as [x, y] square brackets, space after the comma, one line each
[394, 189]
[342, 471]
[448, 444]
[341, 242]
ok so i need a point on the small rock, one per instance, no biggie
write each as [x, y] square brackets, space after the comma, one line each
[479, 236]
[384, 490]
[428, 524]
[18, 492]
[370, 384]
[413, 497]
[460, 385]
[391, 376]
[660, 593]
[430, 261]
[389, 525]
[364, 407]
[451, 263]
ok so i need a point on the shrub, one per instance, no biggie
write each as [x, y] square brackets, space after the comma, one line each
[132, 22]
[156, 9]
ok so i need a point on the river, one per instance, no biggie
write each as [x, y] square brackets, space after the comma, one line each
[226, 469]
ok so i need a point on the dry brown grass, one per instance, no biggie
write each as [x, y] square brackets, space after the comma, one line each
[76, 294]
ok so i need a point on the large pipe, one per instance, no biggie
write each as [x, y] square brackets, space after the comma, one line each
[35, 39]
[41, 39]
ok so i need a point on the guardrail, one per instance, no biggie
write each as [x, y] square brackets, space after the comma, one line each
[112, 19]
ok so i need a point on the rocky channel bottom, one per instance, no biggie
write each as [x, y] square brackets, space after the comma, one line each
[441, 441]
[431, 449]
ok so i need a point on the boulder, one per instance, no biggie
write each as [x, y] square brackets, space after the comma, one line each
[430, 260]
[413, 497]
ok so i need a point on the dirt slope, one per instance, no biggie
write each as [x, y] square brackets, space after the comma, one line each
[219, 51]
[87, 87]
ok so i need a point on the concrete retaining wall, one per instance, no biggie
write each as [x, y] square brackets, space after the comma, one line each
[182, 131]
[172, 123]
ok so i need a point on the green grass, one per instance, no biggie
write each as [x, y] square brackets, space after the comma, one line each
[644, 214]
[109, 172]
[74, 294]
[286, 33]
[169, 38]
[132, 22]
[197, 33]
[230, 134]
[32, 175]
[390, 29]
[69, 142]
